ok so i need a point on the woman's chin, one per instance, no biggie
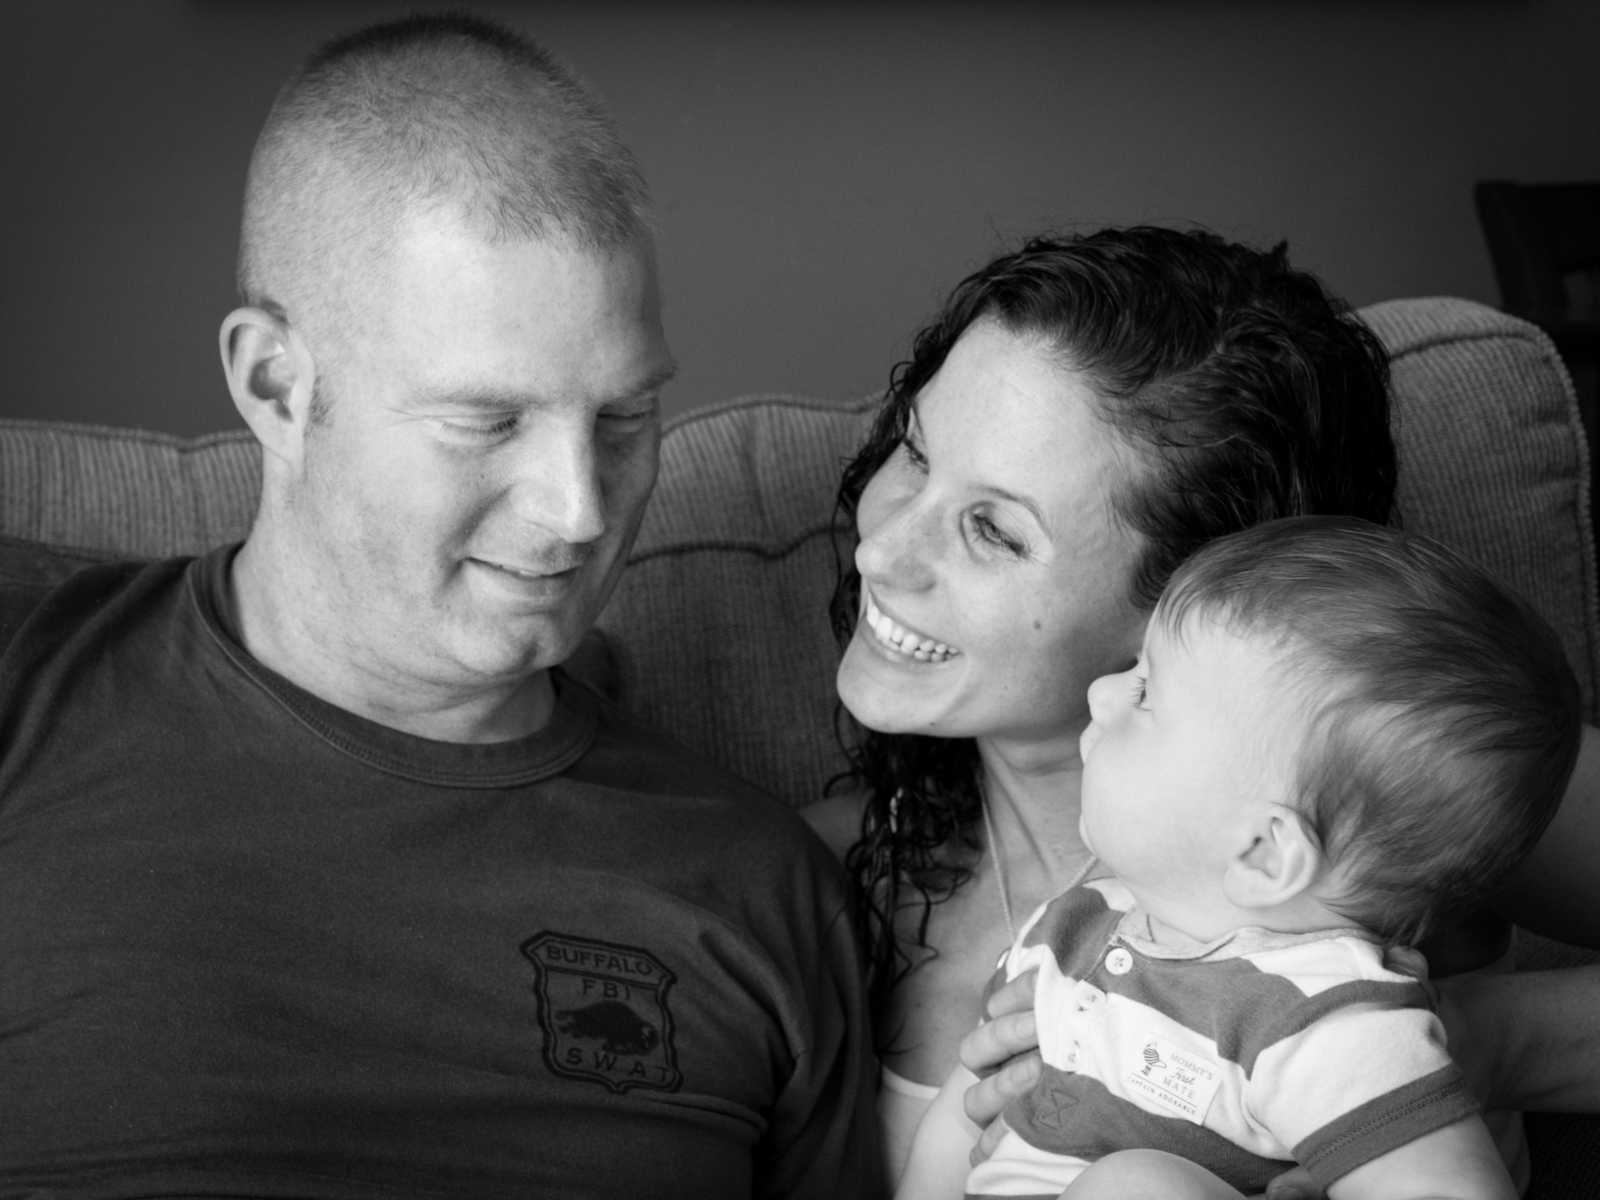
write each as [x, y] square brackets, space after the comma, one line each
[889, 692]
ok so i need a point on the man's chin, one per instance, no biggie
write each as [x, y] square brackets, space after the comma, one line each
[506, 652]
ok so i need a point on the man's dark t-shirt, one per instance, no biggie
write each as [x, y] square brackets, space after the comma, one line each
[251, 944]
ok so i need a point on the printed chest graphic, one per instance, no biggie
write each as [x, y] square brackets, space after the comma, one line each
[1104, 1027]
[603, 1012]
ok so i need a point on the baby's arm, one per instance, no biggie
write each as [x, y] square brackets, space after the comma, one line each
[1148, 1175]
[940, 1152]
[1457, 1162]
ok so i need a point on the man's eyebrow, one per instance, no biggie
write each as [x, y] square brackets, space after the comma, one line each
[473, 398]
[654, 381]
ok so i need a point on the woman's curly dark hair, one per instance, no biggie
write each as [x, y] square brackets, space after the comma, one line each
[1248, 390]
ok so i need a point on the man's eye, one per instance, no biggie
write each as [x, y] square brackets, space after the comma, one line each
[486, 429]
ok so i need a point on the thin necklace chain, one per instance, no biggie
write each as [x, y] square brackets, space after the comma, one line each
[999, 865]
[1000, 868]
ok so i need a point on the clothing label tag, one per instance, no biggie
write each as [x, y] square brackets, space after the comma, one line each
[1175, 1080]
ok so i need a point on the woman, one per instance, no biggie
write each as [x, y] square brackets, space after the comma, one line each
[1081, 416]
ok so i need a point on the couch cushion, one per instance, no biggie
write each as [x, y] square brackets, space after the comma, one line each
[719, 628]
[1493, 461]
[130, 492]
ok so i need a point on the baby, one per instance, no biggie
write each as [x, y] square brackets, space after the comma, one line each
[1334, 732]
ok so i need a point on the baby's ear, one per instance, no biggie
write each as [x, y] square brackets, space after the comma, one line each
[1281, 859]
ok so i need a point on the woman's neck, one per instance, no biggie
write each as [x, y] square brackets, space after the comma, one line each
[1033, 807]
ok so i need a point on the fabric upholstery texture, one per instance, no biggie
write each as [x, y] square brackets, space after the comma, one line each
[719, 631]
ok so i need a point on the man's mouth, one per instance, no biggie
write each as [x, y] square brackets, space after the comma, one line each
[892, 635]
[550, 570]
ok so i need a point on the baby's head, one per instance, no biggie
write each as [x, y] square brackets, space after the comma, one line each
[1331, 709]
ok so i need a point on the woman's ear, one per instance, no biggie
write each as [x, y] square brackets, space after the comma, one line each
[271, 377]
[1281, 860]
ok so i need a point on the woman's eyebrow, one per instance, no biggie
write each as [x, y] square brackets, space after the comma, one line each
[993, 489]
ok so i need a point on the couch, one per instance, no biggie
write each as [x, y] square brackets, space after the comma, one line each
[718, 632]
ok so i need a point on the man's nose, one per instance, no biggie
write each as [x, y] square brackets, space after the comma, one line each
[558, 486]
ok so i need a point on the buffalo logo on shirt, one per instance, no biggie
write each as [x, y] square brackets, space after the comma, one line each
[603, 1011]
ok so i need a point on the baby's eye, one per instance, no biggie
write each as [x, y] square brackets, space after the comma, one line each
[1141, 690]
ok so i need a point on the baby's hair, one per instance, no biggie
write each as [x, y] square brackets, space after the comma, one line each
[1444, 718]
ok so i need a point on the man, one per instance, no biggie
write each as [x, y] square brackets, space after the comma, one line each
[318, 875]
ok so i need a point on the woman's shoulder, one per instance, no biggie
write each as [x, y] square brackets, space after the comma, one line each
[836, 819]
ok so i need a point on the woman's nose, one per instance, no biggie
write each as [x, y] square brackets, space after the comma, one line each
[899, 548]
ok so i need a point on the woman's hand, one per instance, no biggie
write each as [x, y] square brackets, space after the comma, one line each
[1460, 1001]
[1003, 1052]
[1526, 1040]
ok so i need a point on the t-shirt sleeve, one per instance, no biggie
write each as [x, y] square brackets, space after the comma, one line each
[1358, 1071]
[823, 1138]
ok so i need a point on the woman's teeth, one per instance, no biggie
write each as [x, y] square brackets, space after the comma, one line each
[895, 636]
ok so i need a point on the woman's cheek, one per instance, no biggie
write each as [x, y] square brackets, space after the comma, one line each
[878, 501]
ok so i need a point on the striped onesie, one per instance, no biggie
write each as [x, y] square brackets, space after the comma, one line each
[1241, 1054]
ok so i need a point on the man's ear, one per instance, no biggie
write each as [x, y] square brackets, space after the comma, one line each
[271, 376]
[1281, 859]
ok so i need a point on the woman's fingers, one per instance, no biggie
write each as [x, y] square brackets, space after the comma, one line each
[987, 1141]
[987, 1099]
[1015, 996]
[992, 1044]
[1010, 1031]
[1293, 1184]
[1004, 1053]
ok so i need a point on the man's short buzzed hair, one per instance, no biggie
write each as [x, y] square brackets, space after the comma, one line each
[444, 113]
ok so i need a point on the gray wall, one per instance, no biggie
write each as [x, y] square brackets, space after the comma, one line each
[823, 171]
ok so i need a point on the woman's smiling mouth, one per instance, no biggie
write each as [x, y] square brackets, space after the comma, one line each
[892, 635]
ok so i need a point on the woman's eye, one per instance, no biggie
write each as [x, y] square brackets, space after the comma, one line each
[987, 531]
[914, 454]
